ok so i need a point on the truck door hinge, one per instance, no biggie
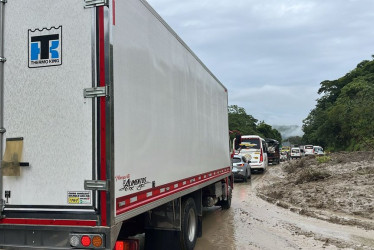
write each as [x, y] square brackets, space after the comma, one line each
[96, 185]
[3, 1]
[2, 59]
[95, 3]
[96, 92]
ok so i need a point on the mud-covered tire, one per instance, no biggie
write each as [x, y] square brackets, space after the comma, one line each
[226, 204]
[188, 234]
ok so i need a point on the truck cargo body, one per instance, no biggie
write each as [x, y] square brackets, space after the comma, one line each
[273, 151]
[107, 117]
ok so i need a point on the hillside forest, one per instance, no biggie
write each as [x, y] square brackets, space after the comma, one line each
[343, 119]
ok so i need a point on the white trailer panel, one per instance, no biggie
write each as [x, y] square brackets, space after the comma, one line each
[44, 101]
[170, 112]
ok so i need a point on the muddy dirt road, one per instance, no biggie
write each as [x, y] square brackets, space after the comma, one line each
[252, 223]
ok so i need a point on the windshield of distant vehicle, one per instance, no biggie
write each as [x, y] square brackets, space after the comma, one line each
[253, 143]
[295, 151]
[236, 160]
[308, 147]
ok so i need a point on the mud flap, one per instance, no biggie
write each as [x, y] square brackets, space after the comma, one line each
[161, 240]
[199, 226]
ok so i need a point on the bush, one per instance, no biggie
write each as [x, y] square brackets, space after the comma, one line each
[323, 159]
[309, 175]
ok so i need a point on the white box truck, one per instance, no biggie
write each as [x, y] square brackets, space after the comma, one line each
[110, 126]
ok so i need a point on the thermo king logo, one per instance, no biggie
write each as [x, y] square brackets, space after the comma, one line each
[45, 47]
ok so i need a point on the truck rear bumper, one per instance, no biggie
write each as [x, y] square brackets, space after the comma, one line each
[44, 237]
[257, 166]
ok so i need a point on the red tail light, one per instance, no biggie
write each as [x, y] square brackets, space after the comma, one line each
[120, 245]
[261, 156]
[130, 244]
[85, 241]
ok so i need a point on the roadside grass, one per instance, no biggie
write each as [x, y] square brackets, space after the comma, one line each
[323, 159]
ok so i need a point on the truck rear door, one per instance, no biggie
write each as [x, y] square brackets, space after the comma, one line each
[50, 61]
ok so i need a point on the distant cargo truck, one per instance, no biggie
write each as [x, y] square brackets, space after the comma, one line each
[273, 151]
[110, 127]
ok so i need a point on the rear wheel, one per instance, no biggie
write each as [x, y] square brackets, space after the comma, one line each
[226, 204]
[188, 235]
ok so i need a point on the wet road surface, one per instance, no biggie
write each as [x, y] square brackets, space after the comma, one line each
[252, 223]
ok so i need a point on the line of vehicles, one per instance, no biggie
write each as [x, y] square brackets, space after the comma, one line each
[307, 150]
[254, 153]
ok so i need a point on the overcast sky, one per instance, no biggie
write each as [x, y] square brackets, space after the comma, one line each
[272, 55]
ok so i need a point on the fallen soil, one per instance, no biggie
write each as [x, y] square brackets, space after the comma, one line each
[338, 187]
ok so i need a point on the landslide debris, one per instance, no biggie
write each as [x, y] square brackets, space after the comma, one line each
[338, 187]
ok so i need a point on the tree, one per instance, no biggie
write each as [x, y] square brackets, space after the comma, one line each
[344, 115]
[246, 124]
[239, 120]
[267, 131]
[295, 140]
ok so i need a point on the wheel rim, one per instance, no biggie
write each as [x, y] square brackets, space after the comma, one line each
[191, 225]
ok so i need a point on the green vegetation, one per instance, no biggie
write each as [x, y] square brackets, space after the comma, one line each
[343, 118]
[246, 124]
[295, 140]
[323, 159]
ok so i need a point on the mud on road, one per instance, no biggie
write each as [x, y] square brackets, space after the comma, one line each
[338, 188]
[273, 212]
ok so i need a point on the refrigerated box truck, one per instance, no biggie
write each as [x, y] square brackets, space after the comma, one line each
[110, 127]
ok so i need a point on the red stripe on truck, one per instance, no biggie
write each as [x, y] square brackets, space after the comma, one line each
[102, 106]
[133, 201]
[114, 11]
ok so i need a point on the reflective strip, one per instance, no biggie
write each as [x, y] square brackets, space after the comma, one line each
[48, 222]
[133, 201]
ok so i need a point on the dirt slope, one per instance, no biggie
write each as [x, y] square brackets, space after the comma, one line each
[338, 188]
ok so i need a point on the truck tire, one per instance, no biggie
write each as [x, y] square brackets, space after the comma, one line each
[188, 234]
[226, 204]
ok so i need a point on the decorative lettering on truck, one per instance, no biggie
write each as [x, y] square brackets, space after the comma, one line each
[129, 184]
